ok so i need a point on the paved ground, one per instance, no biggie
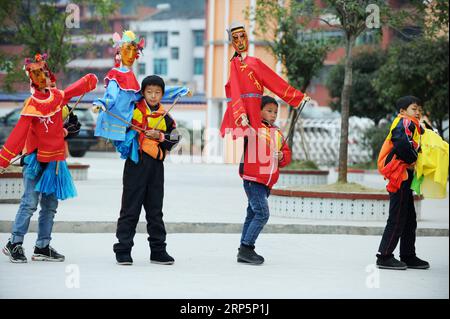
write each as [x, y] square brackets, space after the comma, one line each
[297, 266]
[200, 196]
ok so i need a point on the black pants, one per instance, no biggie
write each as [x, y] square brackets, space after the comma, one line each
[143, 184]
[401, 224]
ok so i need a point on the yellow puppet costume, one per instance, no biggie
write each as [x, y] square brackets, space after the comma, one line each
[431, 171]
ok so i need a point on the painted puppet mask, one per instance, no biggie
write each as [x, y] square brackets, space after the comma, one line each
[39, 78]
[128, 52]
[239, 40]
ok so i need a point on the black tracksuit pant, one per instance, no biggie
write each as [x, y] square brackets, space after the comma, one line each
[401, 224]
[143, 185]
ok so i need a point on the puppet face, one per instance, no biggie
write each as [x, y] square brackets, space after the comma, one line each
[239, 40]
[128, 52]
[39, 78]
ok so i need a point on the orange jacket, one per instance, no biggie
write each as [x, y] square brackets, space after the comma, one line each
[399, 151]
[144, 118]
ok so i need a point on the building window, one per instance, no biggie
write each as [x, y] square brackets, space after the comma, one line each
[160, 66]
[160, 39]
[368, 37]
[198, 66]
[141, 68]
[174, 53]
[198, 37]
[408, 33]
[320, 35]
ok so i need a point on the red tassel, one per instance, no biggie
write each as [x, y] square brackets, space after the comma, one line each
[117, 60]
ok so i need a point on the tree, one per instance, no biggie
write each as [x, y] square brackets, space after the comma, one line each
[418, 68]
[438, 16]
[353, 18]
[43, 26]
[364, 100]
[302, 58]
[373, 139]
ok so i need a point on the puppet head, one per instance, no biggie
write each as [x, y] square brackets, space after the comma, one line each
[39, 73]
[238, 37]
[128, 48]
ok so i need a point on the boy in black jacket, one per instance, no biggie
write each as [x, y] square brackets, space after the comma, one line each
[143, 183]
[396, 163]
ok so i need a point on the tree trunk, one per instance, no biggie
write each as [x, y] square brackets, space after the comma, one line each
[345, 110]
[440, 127]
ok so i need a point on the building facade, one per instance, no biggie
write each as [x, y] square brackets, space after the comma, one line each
[174, 47]
[219, 15]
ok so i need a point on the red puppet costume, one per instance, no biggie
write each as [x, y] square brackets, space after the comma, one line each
[40, 126]
[41, 130]
[40, 134]
[245, 87]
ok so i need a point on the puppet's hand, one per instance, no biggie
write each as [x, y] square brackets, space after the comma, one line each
[96, 108]
[306, 98]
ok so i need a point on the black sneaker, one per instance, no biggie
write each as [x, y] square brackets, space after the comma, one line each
[15, 252]
[46, 254]
[161, 257]
[389, 262]
[248, 255]
[124, 258]
[414, 262]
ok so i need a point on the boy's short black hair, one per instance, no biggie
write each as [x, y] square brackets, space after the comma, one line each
[405, 101]
[267, 100]
[153, 80]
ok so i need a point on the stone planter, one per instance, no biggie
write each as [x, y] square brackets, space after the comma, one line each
[11, 183]
[79, 172]
[302, 177]
[332, 205]
[11, 187]
[354, 175]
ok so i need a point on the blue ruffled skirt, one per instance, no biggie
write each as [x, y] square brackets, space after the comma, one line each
[54, 179]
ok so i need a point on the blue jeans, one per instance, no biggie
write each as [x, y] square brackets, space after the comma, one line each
[28, 205]
[257, 211]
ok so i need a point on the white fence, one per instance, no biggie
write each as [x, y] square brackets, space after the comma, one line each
[322, 140]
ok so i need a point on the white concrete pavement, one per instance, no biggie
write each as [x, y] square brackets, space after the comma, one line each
[194, 193]
[297, 267]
